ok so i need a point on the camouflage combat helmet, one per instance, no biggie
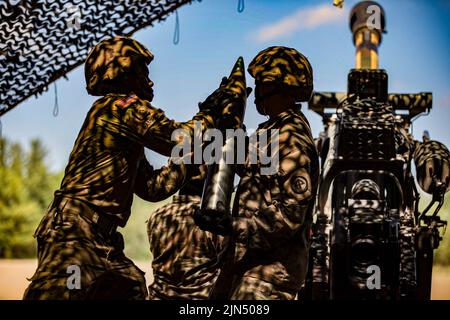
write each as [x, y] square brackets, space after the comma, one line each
[111, 60]
[285, 66]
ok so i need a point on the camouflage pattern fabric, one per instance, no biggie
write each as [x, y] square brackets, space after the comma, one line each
[431, 155]
[250, 288]
[106, 167]
[273, 214]
[107, 164]
[414, 103]
[430, 150]
[65, 239]
[184, 257]
[286, 66]
[111, 60]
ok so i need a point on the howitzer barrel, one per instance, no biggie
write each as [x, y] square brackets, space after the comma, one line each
[367, 23]
[215, 206]
[366, 148]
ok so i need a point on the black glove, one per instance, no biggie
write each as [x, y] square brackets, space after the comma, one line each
[229, 120]
[213, 222]
[224, 81]
[215, 98]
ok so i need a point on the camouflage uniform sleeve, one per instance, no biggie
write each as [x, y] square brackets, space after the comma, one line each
[139, 121]
[292, 193]
[157, 185]
[155, 229]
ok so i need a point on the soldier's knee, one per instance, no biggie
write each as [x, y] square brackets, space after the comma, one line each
[113, 286]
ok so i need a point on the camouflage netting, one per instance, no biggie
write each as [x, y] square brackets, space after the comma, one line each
[42, 40]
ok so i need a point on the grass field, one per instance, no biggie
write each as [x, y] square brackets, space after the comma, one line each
[14, 274]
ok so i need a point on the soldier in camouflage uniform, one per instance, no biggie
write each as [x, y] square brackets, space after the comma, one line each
[184, 257]
[267, 256]
[106, 167]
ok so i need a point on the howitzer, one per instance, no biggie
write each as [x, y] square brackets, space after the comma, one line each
[369, 239]
[215, 214]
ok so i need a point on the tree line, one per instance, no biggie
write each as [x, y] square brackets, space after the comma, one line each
[26, 190]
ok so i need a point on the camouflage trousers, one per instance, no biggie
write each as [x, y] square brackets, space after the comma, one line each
[69, 247]
[250, 288]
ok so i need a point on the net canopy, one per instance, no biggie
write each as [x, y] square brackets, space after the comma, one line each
[42, 40]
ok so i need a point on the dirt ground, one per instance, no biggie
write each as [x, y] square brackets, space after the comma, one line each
[13, 274]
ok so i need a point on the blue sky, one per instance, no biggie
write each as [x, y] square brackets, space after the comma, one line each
[415, 52]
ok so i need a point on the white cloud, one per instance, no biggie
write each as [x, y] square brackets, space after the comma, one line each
[302, 19]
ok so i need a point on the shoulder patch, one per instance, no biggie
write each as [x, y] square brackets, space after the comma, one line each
[299, 185]
[127, 101]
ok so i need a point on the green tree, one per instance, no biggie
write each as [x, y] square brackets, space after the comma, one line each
[12, 190]
[38, 178]
[135, 232]
[26, 187]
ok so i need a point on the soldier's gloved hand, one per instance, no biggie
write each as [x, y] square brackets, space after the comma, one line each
[215, 98]
[224, 81]
[213, 222]
[196, 172]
